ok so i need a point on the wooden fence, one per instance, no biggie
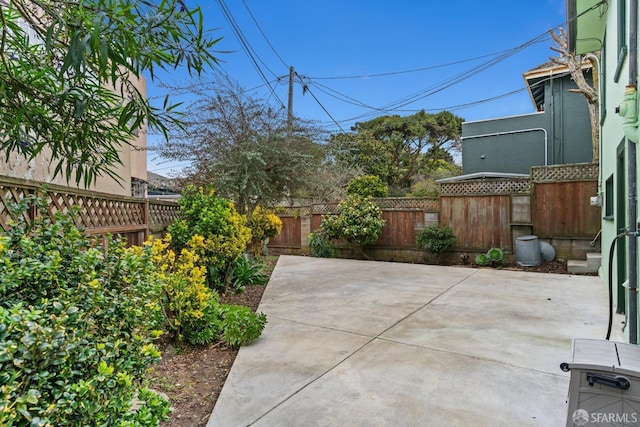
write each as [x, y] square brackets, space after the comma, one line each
[561, 205]
[484, 212]
[554, 204]
[403, 217]
[98, 213]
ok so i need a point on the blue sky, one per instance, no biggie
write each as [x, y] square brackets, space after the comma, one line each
[338, 47]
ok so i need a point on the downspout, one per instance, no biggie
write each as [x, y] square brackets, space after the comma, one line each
[511, 132]
[629, 112]
[633, 192]
[596, 60]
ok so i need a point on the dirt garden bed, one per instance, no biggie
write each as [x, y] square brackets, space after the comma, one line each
[193, 376]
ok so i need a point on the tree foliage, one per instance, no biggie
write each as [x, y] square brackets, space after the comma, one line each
[329, 181]
[67, 76]
[426, 185]
[242, 146]
[398, 148]
[367, 186]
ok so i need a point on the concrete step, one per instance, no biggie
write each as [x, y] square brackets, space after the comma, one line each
[590, 265]
[594, 260]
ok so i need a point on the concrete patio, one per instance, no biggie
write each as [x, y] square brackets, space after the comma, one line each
[364, 343]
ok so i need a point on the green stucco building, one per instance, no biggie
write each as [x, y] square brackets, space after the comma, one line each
[558, 132]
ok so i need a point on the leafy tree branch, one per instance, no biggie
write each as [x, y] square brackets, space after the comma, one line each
[68, 70]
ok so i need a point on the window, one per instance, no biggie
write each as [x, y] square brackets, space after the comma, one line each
[622, 37]
[608, 198]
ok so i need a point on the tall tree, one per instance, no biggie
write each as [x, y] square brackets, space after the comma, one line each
[243, 147]
[66, 71]
[398, 148]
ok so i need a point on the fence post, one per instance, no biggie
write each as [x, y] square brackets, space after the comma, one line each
[147, 220]
[305, 230]
[33, 209]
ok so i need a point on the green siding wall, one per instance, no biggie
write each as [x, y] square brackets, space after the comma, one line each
[567, 125]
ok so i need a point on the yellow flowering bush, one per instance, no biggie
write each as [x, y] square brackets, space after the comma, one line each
[194, 312]
[186, 291]
[264, 224]
[223, 232]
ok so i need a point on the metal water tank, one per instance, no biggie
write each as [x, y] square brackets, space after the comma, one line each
[527, 251]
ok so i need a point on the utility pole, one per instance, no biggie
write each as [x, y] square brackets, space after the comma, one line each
[290, 106]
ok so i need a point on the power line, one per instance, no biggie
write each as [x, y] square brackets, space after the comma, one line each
[247, 48]
[263, 34]
[340, 96]
[242, 38]
[306, 88]
[478, 102]
[413, 70]
[451, 81]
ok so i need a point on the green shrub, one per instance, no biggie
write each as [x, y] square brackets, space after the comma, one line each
[367, 186]
[207, 328]
[223, 230]
[77, 324]
[494, 257]
[358, 221]
[482, 260]
[320, 246]
[247, 272]
[436, 239]
[241, 325]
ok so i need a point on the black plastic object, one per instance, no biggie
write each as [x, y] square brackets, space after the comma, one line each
[610, 381]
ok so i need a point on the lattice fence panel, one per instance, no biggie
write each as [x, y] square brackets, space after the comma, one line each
[94, 211]
[163, 214]
[431, 204]
[486, 186]
[97, 212]
[324, 208]
[563, 173]
[400, 203]
[295, 211]
[9, 196]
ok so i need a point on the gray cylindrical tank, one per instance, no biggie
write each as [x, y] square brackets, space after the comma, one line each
[528, 251]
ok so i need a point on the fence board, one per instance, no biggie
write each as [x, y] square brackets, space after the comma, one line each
[479, 222]
[316, 220]
[290, 236]
[562, 209]
[399, 229]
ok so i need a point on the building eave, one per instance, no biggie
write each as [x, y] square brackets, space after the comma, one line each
[483, 175]
[586, 20]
